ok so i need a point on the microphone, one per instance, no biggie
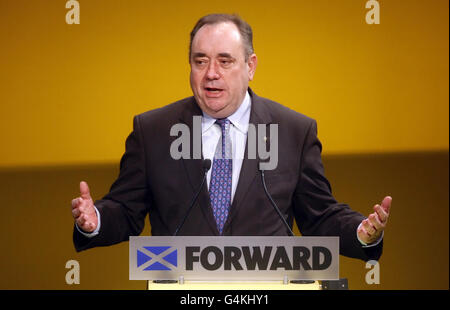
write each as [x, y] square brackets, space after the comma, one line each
[273, 202]
[206, 165]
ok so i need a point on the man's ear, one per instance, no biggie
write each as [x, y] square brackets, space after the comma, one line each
[252, 63]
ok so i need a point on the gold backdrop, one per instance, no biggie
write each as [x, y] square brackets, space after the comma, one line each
[68, 94]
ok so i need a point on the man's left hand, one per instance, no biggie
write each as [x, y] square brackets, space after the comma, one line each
[371, 228]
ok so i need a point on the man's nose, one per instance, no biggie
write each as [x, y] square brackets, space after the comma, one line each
[213, 72]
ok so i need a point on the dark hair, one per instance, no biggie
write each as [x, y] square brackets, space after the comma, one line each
[244, 29]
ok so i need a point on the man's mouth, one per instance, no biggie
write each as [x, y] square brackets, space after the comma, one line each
[213, 91]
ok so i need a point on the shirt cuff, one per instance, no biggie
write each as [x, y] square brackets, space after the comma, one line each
[365, 245]
[95, 232]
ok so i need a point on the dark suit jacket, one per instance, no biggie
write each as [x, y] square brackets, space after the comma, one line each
[150, 181]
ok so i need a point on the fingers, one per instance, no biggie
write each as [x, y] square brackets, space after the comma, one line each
[86, 225]
[383, 210]
[83, 212]
[82, 221]
[382, 215]
[375, 222]
[372, 227]
[90, 227]
[386, 204]
[76, 213]
[367, 231]
[84, 190]
[79, 204]
[86, 222]
[368, 227]
[79, 207]
[76, 202]
[363, 235]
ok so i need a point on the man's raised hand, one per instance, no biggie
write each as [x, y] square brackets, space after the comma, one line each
[371, 228]
[83, 210]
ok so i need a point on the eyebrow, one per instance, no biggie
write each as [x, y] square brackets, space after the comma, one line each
[226, 55]
[197, 55]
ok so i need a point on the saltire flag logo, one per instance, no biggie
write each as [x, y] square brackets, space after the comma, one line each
[157, 258]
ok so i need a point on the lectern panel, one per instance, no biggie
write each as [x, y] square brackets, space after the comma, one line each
[234, 258]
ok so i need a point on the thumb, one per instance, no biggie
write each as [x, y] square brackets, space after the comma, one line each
[386, 204]
[84, 190]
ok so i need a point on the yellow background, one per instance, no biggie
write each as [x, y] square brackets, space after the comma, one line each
[68, 92]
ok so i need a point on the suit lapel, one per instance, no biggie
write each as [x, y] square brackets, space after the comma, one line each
[259, 114]
[194, 167]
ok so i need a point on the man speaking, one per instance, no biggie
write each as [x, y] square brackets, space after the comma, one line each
[224, 192]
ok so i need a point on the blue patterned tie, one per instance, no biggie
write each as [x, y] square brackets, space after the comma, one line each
[221, 176]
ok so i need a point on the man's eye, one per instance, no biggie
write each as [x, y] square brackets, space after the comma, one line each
[200, 62]
[225, 62]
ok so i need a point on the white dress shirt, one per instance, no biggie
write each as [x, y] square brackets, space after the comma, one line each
[211, 134]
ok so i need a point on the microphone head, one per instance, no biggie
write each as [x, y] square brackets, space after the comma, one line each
[260, 164]
[206, 164]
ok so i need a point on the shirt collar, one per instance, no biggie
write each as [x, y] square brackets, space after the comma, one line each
[239, 118]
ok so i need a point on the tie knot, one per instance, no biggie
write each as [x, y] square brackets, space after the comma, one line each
[223, 122]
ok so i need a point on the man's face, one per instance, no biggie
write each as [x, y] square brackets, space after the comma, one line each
[219, 72]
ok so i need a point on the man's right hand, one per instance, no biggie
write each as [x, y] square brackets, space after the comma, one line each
[83, 210]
